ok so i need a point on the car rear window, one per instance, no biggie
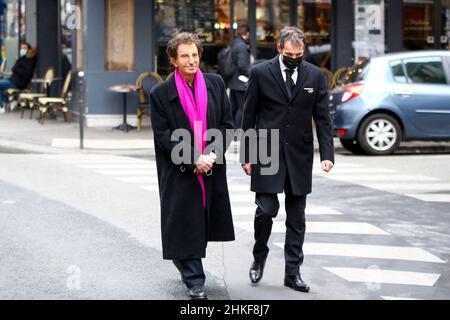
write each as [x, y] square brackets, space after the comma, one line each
[357, 73]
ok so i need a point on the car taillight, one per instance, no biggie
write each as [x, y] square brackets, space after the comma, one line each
[352, 91]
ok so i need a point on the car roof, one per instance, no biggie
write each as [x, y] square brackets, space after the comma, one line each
[413, 54]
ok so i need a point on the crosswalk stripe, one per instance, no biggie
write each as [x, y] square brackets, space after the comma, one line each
[106, 161]
[145, 179]
[368, 251]
[151, 188]
[130, 172]
[356, 170]
[408, 186]
[117, 166]
[355, 228]
[431, 197]
[387, 298]
[385, 276]
[312, 211]
[390, 177]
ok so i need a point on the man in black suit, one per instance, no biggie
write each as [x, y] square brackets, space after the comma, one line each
[284, 95]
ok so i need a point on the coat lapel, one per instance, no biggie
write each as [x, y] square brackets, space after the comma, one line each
[302, 76]
[275, 69]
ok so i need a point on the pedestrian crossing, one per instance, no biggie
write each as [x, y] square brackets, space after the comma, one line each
[142, 174]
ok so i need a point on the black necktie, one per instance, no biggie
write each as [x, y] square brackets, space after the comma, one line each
[289, 82]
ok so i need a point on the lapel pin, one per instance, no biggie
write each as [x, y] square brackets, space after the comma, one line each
[309, 90]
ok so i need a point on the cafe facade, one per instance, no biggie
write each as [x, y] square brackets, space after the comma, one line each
[114, 41]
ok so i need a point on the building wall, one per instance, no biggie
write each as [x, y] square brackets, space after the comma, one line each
[105, 108]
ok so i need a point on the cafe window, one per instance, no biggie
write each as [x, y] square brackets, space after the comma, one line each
[418, 19]
[271, 17]
[314, 18]
[445, 32]
[120, 35]
[13, 26]
[210, 20]
[240, 13]
[70, 15]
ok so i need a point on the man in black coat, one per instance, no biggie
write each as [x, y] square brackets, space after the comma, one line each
[192, 214]
[240, 53]
[284, 95]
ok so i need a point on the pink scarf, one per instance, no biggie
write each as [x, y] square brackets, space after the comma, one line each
[196, 110]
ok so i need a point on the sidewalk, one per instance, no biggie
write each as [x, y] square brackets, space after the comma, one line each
[56, 136]
[28, 136]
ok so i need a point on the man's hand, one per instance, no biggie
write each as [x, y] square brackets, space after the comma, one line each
[204, 164]
[327, 166]
[247, 169]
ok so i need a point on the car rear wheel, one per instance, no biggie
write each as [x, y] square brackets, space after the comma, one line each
[380, 134]
[351, 145]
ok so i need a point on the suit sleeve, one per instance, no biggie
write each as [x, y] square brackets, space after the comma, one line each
[322, 120]
[243, 61]
[251, 108]
[226, 123]
[162, 133]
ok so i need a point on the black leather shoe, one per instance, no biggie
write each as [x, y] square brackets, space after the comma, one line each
[180, 269]
[256, 272]
[296, 283]
[197, 293]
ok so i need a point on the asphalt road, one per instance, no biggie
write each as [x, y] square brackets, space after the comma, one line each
[87, 227]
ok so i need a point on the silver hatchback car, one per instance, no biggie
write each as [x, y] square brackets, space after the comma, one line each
[393, 98]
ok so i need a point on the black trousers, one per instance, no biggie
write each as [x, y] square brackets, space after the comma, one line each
[237, 106]
[192, 272]
[268, 207]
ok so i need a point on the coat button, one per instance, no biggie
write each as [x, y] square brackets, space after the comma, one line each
[288, 126]
[183, 169]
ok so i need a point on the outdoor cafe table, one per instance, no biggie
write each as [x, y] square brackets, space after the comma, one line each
[124, 89]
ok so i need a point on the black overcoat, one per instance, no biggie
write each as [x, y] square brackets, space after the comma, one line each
[186, 226]
[267, 106]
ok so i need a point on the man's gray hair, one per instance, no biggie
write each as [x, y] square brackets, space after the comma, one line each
[292, 34]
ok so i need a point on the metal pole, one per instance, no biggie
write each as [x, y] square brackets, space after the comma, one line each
[81, 106]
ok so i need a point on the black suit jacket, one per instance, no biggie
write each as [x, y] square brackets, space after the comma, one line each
[267, 106]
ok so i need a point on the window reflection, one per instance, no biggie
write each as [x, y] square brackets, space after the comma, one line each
[418, 24]
[210, 20]
[314, 18]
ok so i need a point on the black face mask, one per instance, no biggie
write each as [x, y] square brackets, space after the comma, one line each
[292, 63]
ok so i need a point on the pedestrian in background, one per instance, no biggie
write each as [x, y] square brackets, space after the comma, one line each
[22, 72]
[241, 58]
[195, 204]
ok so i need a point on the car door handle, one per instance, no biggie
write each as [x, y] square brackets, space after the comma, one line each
[403, 92]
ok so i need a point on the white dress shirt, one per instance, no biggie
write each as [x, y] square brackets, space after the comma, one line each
[283, 72]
